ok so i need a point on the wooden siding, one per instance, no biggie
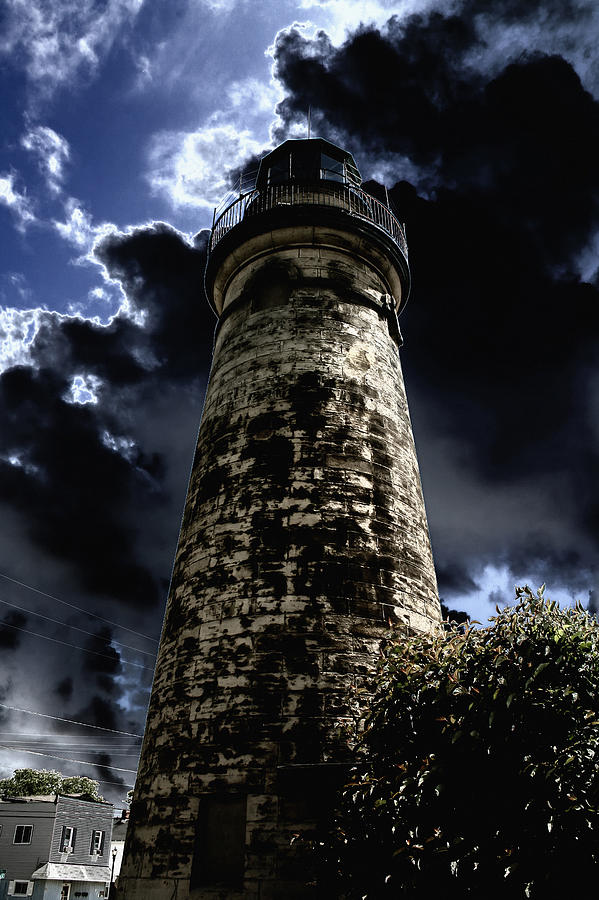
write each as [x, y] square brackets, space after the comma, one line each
[48, 818]
[20, 860]
[85, 817]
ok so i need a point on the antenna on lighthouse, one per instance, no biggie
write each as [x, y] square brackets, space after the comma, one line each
[309, 121]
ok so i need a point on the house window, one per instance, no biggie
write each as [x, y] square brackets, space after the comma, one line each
[23, 834]
[20, 889]
[67, 839]
[97, 844]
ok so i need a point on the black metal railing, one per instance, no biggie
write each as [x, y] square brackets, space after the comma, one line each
[352, 200]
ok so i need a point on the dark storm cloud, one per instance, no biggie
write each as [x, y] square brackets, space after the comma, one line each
[71, 484]
[97, 488]
[98, 711]
[501, 333]
[455, 578]
[104, 659]
[105, 773]
[165, 277]
[64, 688]
[60, 464]
[10, 637]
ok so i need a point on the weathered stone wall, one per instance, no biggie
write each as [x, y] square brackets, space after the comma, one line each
[304, 537]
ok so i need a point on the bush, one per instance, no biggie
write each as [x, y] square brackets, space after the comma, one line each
[479, 774]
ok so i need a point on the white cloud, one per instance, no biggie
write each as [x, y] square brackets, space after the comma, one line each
[84, 389]
[16, 283]
[77, 229]
[124, 446]
[254, 98]
[55, 40]
[18, 461]
[221, 6]
[391, 168]
[190, 168]
[587, 261]
[145, 73]
[52, 153]
[18, 328]
[18, 203]
[338, 17]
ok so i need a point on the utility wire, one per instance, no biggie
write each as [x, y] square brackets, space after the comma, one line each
[59, 741]
[53, 735]
[45, 637]
[70, 721]
[71, 746]
[78, 608]
[9, 745]
[83, 762]
[99, 780]
[75, 628]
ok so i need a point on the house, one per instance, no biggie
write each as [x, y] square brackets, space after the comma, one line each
[54, 847]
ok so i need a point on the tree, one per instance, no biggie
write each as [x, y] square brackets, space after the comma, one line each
[35, 782]
[478, 773]
[82, 785]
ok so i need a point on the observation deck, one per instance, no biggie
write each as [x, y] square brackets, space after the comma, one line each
[305, 181]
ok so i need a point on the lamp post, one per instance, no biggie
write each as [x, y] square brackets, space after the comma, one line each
[114, 856]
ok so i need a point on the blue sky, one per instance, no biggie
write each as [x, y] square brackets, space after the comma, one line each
[116, 116]
[124, 112]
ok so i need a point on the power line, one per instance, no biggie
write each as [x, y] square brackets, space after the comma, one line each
[58, 739]
[57, 742]
[68, 748]
[99, 780]
[70, 721]
[78, 608]
[36, 736]
[32, 612]
[54, 734]
[83, 762]
[45, 637]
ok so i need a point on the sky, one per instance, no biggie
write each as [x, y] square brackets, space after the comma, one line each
[122, 123]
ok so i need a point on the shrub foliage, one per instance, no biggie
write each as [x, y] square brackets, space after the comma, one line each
[479, 773]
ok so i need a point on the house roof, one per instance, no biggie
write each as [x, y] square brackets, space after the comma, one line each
[66, 872]
[51, 798]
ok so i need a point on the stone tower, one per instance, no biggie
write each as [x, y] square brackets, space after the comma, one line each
[304, 537]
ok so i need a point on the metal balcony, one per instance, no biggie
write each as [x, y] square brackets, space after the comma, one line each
[344, 197]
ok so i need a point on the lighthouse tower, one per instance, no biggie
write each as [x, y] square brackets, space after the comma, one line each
[304, 537]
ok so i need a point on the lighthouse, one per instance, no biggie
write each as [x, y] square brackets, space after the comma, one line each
[304, 537]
